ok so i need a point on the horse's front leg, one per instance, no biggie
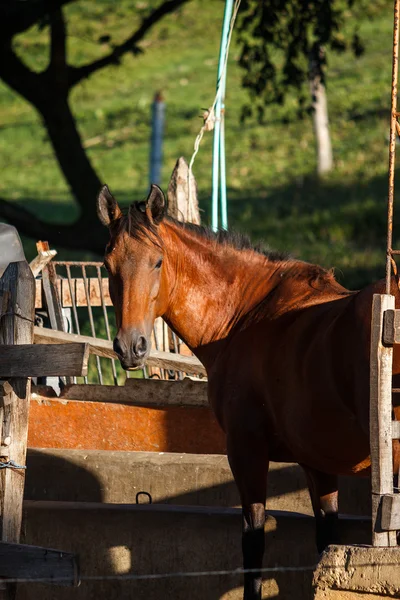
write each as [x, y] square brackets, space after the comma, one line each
[248, 458]
[323, 489]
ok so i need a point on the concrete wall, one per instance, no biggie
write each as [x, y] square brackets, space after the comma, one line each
[119, 539]
[84, 502]
[170, 478]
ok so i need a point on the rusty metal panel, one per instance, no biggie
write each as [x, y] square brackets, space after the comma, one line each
[104, 426]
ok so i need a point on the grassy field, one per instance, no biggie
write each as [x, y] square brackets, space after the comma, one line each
[273, 191]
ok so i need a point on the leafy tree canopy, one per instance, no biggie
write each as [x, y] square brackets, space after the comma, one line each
[285, 42]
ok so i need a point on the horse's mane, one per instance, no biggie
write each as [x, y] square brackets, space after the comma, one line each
[235, 239]
[136, 222]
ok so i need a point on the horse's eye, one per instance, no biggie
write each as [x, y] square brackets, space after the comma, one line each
[158, 265]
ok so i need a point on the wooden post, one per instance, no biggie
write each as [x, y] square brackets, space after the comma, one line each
[50, 289]
[17, 297]
[17, 312]
[178, 194]
[381, 359]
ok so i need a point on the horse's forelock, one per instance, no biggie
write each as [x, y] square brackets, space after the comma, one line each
[137, 225]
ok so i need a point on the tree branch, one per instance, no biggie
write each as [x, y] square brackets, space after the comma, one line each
[113, 58]
[17, 16]
[57, 40]
[58, 57]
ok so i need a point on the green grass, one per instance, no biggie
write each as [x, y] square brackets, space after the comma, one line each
[273, 191]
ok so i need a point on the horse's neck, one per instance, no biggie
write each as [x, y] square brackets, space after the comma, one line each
[211, 287]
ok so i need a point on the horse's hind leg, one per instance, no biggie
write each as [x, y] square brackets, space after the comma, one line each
[324, 498]
[248, 459]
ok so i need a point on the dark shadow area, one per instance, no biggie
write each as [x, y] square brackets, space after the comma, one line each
[50, 477]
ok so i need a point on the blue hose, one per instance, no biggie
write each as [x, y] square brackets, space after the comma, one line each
[219, 131]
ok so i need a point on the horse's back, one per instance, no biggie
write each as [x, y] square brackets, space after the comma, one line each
[304, 378]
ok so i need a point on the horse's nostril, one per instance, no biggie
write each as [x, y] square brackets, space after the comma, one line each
[140, 346]
[117, 347]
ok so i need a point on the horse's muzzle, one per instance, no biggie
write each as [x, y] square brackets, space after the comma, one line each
[132, 350]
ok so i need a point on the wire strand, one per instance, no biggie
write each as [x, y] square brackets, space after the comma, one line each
[158, 576]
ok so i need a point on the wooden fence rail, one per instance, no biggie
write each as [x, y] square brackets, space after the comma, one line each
[104, 348]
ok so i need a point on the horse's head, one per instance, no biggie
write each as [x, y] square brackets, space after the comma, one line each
[134, 259]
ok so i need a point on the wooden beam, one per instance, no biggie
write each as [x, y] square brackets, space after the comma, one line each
[139, 392]
[32, 563]
[41, 260]
[99, 347]
[50, 291]
[381, 360]
[390, 511]
[31, 360]
[391, 327]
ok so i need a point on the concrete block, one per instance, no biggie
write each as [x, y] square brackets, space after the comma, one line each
[342, 595]
[360, 569]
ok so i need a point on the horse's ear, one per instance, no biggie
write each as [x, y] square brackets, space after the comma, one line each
[155, 204]
[107, 207]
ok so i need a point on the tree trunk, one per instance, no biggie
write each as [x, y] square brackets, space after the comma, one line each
[49, 95]
[320, 114]
[74, 163]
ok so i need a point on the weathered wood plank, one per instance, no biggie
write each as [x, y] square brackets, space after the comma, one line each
[38, 293]
[99, 347]
[52, 298]
[78, 292]
[140, 392]
[41, 260]
[23, 562]
[32, 360]
[381, 358]
[396, 430]
[78, 289]
[390, 510]
[391, 327]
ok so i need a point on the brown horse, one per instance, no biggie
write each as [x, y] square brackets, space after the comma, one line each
[286, 349]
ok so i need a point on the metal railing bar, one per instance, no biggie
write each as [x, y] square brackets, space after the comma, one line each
[176, 350]
[113, 367]
[74, 311]
[77, 263]
[90, 312]
[156, 341]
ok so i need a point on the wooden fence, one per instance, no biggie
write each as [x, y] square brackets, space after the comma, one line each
[19, 360]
